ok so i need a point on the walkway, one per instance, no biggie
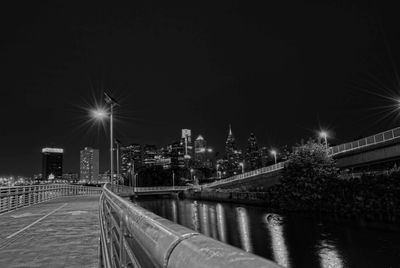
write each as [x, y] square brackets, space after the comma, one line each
[63, 232]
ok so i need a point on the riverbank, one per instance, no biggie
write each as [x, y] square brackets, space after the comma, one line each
[371, 198]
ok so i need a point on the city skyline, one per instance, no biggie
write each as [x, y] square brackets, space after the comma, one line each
[201, 68]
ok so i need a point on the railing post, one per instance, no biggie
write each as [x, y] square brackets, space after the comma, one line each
[122, 252]
[9, 198]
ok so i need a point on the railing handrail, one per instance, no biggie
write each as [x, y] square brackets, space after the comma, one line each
[15, 197]
[378, 138]
[158, 241]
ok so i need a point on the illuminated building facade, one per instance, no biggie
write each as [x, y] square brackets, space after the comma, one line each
[202, 154]
[89, 165]
[131, 160]
[233, 155]
[52, 163]
[187, 142]
[149, 155]
[253, 158]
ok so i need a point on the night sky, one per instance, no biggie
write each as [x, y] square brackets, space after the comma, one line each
[281, 70]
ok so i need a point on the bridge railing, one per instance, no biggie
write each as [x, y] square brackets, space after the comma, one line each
[21, 196]
[134, 237]
[368, 141]
[159, 189]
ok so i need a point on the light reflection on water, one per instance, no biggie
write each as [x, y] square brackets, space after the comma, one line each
[279, 249]
[329, 255]
[291, 240]
[244, 230]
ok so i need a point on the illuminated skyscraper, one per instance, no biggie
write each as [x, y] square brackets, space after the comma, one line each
[131, 159]
[253, 158]
[89, 165]
[233, 155]
[202, 153]
[52, 163]
[187, 141]
[149, 155]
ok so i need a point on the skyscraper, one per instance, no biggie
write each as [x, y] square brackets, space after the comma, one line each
[131, 159]
[202, 153]
[149, 155]
[233, 155]
[89, 165]
[253, 158]
[187, 141]
[52, 163]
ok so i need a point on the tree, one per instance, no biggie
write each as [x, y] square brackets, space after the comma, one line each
[309, 162]
[307, 176]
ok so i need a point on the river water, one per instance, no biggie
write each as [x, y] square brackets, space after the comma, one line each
[291, 240]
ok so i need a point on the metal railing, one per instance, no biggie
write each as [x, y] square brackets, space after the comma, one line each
[134, 237]
[247, 175]
[21, 196]
[368, 141]
[160, 189]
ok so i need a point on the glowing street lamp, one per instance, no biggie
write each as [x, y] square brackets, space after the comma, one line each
[242, 165]
[191, 173]
[274, 153]
[324, 135]
[101, 114]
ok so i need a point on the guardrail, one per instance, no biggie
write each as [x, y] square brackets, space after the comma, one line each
[364, 142]
[134, 237]
[21, 196]
[160, 189]
[246, 175]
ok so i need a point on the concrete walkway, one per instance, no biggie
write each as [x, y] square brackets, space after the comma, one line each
[59, 233]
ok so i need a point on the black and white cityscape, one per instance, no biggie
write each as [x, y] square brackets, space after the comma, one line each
[204, 134]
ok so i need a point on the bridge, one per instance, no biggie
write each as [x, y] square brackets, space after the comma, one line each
[380, 148]
[76, 226]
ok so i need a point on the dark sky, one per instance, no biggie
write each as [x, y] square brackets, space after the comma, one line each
[281, 70]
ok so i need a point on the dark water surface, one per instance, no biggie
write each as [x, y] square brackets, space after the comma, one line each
[291, 240]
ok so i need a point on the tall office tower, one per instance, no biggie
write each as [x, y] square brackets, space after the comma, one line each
[253, 158]
[202, 154]
[89, 165]
[265, 156]
[149, 155]
[187, 141]
[176, 152]
[233, 155]
[131, 159]
[52, 163]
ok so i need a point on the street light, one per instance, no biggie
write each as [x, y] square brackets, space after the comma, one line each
[242, 165]
[100, 114]
[323, 134]
[191, 173]
[274, 153]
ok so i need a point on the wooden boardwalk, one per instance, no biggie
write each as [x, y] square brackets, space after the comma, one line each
[63, 232]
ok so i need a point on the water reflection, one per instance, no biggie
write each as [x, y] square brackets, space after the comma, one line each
[195, 216]
[279, 248]
[291, 240]
[328, 254]
[244, 230]
[174, 211]
[204, 222]
[221, 223]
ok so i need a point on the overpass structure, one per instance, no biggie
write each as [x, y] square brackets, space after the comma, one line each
[376, 149]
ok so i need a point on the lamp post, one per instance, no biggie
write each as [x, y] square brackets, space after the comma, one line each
[173, 178]
[100, 114]
[242, 165]
[324, 135]
[274, 153]
[118, 143]
[191, 173]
